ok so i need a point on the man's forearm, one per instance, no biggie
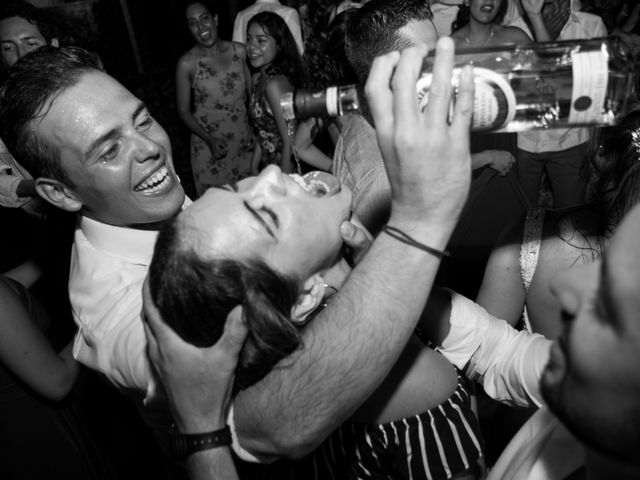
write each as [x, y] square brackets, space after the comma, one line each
[211, 464]
[348, 349]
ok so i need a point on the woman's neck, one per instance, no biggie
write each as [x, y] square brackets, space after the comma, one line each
[263, 68]
[210, 51]
[479, 34]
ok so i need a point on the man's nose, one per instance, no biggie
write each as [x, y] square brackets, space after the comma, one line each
[146, 149]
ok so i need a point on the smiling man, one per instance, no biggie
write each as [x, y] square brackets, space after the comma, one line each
[96, 151]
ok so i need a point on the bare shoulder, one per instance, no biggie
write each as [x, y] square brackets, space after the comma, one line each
[510, 34]
[565, 244]
[278, 84]
[188, 60]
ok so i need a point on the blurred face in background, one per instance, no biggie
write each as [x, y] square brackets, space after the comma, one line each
[262, 47]
[202, 24]
[18, 36]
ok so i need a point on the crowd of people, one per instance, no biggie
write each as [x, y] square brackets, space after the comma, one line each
[345, 297]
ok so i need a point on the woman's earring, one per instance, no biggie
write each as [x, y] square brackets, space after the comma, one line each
[333, 291]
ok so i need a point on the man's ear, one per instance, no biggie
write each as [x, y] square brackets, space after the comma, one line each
[309, 300]
[54, 42]
[58, 194]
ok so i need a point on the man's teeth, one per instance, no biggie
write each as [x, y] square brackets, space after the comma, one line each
[154, 183]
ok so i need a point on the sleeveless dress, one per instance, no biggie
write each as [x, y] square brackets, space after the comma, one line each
[530, 252]
[264, 124]
[219, 102]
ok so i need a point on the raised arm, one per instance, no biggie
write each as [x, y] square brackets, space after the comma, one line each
[276, 87]
[533, 10]
[355, 341]
[304, 147]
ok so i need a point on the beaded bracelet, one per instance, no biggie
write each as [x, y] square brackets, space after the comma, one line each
[404, 238]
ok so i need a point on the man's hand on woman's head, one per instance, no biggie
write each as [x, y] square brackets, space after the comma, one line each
[198, 381]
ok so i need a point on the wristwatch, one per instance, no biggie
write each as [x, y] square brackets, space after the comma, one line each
[183, 445]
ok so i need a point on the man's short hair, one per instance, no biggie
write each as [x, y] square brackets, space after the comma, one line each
[33, 83]
[374, 28]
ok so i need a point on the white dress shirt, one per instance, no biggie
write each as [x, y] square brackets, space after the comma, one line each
[288, 14]
[509, 364]
[108, 268]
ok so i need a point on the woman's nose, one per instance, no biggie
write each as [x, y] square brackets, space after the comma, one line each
[271, 180]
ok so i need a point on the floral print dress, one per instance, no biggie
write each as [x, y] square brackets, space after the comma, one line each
[263, 122]
[220, 106]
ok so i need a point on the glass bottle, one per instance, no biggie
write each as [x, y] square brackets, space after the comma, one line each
[522, 87]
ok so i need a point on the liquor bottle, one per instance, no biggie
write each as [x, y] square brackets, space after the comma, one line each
[333, 102]
[519, 87]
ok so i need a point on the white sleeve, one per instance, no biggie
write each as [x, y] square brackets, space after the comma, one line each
[237, 448]
[239, 29]
[507, 362]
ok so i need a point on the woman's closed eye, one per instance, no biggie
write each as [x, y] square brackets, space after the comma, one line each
[272, 214]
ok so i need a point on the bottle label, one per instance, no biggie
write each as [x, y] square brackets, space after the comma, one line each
[332, 102]
[286, 103]
[590, 79]
[494, 102]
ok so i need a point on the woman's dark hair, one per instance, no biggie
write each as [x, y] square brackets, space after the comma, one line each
[464, 15]
[327, 57]
[614, 157]
[208, 4]
[287, 60]
[194, 296]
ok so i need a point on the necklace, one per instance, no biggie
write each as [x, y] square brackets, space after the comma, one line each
[469, 42]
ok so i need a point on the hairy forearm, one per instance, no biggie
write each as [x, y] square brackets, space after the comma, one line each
[211, 464]
[348, 349]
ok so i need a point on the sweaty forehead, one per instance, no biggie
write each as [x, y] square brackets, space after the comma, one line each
[80, 113]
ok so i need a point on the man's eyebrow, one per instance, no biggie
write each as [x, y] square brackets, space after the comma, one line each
[113, 133]
[258, 217]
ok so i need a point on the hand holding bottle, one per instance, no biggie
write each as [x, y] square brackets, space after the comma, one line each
[427, 159]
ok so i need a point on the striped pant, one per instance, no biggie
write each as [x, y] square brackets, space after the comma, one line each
[438, 444]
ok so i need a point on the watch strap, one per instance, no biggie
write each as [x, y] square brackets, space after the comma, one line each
[183, 445]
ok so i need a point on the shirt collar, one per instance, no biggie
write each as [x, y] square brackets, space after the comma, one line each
[131, 244]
